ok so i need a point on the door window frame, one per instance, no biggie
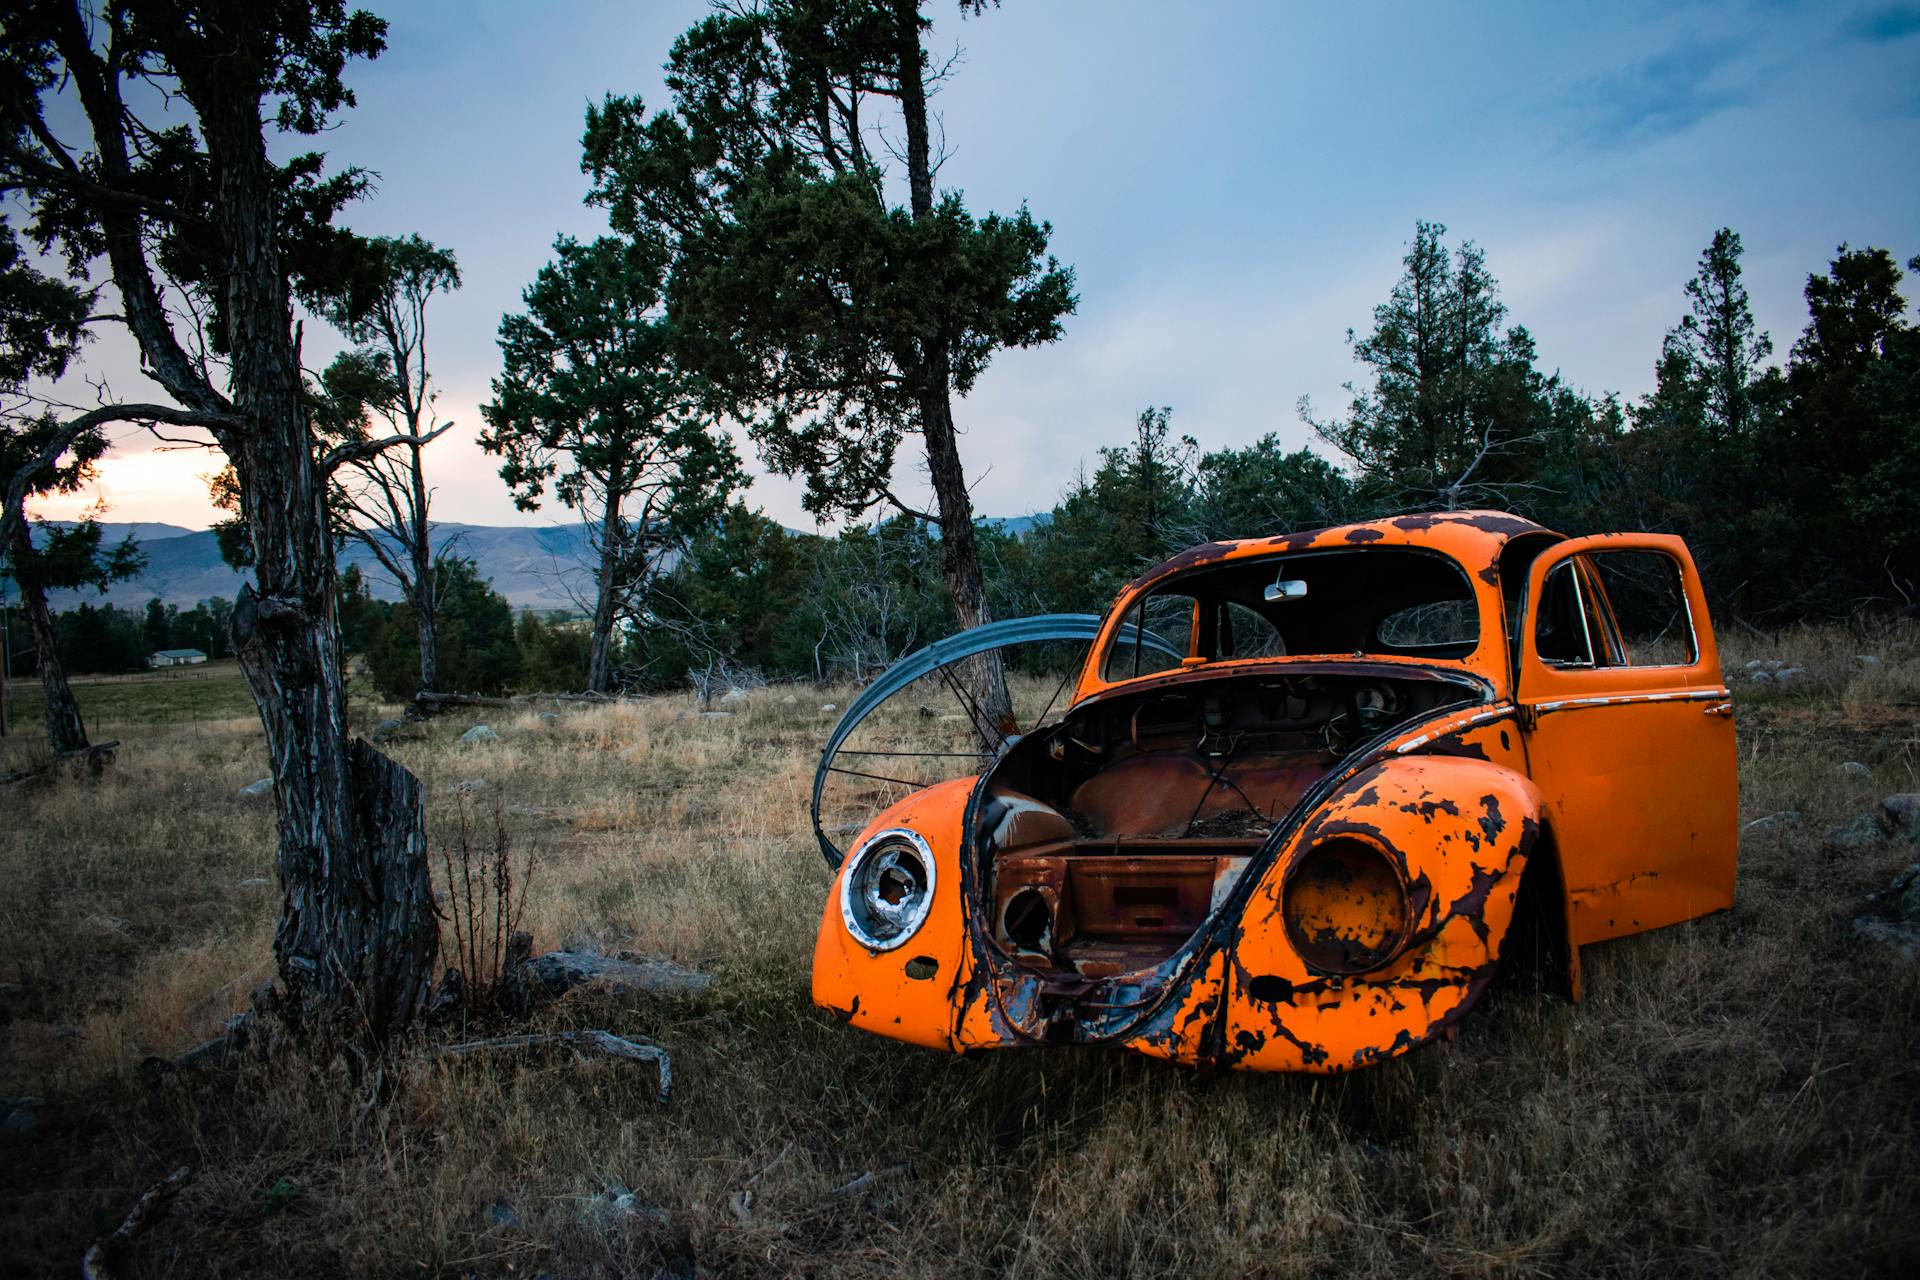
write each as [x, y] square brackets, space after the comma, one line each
[1536, 679]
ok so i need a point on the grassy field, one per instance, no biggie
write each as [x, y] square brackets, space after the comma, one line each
[1736, 1096]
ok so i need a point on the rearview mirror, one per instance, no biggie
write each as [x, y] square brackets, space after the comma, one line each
[1286, 589]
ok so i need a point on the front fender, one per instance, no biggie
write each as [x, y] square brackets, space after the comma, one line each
[872, 989]
[1459, 831]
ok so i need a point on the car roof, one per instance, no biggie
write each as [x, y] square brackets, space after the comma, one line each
[1474, 538]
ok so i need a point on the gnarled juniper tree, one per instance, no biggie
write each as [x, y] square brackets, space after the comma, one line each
[207, 240]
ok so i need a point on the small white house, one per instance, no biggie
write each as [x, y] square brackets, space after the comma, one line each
[176, 658]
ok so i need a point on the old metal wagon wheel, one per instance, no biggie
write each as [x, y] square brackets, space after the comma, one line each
[891, 742]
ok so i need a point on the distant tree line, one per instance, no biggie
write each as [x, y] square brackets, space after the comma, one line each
[1797, 487]
[106, 639]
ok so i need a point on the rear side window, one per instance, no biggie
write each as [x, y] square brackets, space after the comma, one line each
[1163, 617]
[1439, 624]
[1242, 633]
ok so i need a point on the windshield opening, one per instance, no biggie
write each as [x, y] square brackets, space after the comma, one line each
[1365, 600]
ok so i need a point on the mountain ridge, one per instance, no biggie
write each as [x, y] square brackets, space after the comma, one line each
[541, 567]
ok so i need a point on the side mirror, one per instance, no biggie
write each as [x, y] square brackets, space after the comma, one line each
[1286, 589]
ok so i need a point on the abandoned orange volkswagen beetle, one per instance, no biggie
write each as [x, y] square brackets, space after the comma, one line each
[1306, 794]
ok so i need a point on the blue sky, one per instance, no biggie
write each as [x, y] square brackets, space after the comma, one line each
[1233, 183]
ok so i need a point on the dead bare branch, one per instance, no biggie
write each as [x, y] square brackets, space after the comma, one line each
[354, 450]
[581, 1042]
[97, 1263]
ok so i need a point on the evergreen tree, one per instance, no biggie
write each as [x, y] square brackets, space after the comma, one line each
[831, 320]
[593, 402]
[1452, 406]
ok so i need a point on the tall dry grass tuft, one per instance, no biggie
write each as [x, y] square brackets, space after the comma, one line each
[484, 910]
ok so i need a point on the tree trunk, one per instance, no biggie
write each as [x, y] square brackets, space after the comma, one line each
[600, 662]
[65, 731]
[357, 936]
[426, 595]
[959, 548]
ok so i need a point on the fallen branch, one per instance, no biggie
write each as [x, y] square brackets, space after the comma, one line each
[97, 1263]
[96, 759]
[558, 972]
[579, 1041]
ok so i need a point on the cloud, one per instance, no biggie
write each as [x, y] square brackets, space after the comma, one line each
[1664, 95]
[1884, 24]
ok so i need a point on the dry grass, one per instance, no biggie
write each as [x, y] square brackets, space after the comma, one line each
[1735, 1096]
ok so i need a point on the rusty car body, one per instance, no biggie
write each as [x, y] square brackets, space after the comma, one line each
[1308, 790]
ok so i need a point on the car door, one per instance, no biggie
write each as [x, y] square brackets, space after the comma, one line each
[1628, 729]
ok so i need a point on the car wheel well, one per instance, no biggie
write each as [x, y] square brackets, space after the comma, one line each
[1536, 950]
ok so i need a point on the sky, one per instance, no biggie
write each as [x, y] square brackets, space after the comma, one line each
[1233, 184]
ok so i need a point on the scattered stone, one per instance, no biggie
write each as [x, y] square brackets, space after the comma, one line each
[1900, 815]
[829, 706]
[734, 695]
[467, 787]
[254, 882]
[789, 700]
[1762, 677]
[1755, 665]
[264, 787]
[1774, 664]
[501, 1213]
[1857, 834]
[1775, 821]
[1854, 769]
[1901, 939]
[1867, 659]
[549, 717]
[1892, 919]
[1906, 894]
[616, 1202]
[110, 924]
[1789, 673]
[20, 1117]
[478, 734]
[386, 727]
[715, 715]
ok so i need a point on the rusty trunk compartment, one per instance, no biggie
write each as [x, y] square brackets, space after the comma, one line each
[1108, 848]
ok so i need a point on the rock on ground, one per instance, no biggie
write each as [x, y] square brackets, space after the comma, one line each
[1892, 919]
[1857, 834]
[478, 734]
[1900, 815]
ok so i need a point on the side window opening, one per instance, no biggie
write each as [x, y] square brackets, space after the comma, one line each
[1642, 600]
[1563, 631]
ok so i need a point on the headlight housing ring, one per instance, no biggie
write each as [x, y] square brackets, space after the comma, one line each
[1345, 906]
[887, 889]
